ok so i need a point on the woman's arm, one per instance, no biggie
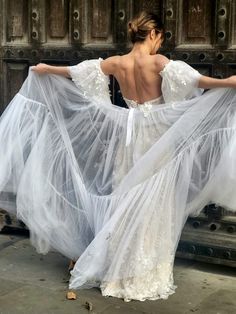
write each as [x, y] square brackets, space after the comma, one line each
[43, 68]
[209, 82]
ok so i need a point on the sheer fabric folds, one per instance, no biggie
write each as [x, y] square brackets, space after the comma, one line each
[118, 206]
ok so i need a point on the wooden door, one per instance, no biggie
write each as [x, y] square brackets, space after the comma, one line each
[199, 32]
[202, 33]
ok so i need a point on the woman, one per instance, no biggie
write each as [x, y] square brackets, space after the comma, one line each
[112, 187]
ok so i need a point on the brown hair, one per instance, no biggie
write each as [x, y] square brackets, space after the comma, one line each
[141, 25]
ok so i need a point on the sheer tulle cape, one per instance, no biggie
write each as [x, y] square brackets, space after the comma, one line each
[66, 172]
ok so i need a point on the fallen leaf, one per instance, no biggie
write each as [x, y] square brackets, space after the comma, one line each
[71, 295]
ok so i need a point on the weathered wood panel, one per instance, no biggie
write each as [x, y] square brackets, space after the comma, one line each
[101, 18]
[16, 27]
[148, 5]
[58, 18]
[195, 22]
[15, 74]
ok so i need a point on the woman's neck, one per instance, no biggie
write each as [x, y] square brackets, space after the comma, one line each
[141, 49]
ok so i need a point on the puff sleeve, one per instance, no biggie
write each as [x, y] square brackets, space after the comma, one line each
[179, 82]
[90, 79]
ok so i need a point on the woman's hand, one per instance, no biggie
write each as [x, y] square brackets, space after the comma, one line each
[41, 68]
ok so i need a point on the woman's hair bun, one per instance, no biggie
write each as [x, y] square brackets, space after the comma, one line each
[141, 25]
[133, 27]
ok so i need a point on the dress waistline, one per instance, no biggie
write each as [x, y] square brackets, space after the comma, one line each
[145, 108]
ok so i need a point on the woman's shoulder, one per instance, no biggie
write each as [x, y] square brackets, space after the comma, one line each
[110, 64]
[161, 58]
[160, 62]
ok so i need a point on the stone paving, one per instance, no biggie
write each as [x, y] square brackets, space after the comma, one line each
[31, 283]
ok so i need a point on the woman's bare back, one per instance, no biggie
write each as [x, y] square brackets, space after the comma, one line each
[137, 75]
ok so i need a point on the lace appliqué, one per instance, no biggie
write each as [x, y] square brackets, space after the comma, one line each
[145, 108]
[152, 276]
[101, 82]
[156, 284]
[90, 79]
[179, 82]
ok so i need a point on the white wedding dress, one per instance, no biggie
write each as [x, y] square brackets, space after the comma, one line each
[113, 187]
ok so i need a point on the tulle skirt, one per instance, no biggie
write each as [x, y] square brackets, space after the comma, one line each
[67, 172]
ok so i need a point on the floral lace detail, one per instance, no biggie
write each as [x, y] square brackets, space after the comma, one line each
[147, 265]
[179, 81]
[131, 103]
[156, 284]
[90, 79]
[145, 107]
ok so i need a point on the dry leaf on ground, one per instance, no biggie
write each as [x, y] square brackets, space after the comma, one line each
[71, 295]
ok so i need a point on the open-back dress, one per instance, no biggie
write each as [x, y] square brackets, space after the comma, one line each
[112, 187]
